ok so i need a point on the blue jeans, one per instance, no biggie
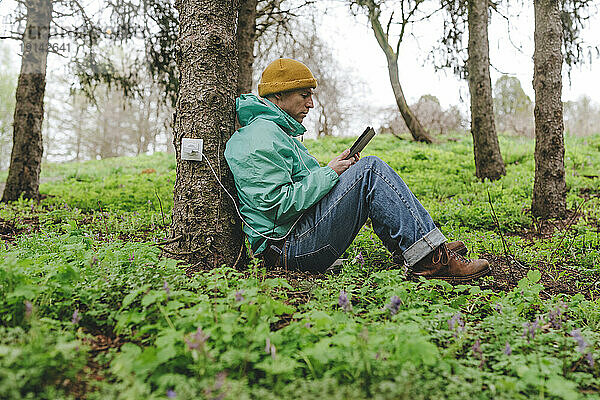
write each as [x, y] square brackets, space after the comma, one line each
[368, 189]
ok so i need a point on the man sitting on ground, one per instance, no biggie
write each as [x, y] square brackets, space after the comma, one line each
[300, 215]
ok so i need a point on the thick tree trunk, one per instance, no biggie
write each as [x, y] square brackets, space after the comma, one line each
[549, 188]
[488, 159]
[204, 216]
[26, 157]
[246, 36]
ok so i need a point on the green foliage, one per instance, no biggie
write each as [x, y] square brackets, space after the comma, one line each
[80, 271]
[40, 362]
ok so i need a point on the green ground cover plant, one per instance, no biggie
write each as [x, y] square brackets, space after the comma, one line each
[90, 309]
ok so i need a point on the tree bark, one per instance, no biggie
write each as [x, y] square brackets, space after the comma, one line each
[26, 157]
[414, 126]
[549, 188]
[246, 36]
[204, 216]
[488, 159]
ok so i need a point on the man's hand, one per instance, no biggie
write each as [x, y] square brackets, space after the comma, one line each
[339, 165]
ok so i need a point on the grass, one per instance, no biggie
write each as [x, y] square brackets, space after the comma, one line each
[89, 308]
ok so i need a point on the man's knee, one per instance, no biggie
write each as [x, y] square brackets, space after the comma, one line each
[369, 162]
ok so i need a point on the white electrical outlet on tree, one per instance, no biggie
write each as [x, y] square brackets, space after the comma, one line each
[191, 149]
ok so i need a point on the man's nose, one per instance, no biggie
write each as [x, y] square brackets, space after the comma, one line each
[309, 103]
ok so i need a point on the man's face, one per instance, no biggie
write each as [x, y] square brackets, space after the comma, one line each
[296, 103]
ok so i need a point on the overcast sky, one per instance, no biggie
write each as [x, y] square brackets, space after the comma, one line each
[356, 47]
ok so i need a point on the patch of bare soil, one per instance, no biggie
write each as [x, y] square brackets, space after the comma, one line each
[93, 371]
[10, 229]
[556, 279]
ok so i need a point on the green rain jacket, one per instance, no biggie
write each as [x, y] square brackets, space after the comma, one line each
[275, 176]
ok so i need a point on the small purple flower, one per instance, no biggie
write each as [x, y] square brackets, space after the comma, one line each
[498, 308]
[530, 328]
[167, 289]
[239, 295]
[582, 346]
[171, 394]
[507, 349]
[76, 318]
[270, 348]
[197, 339]
[220, 380]
[456, 324]
[478, 352]
[555, 316]
[344, 302]
[132, 257]
[360, 258]
[394, 304]
[589, 358]
[28, 308]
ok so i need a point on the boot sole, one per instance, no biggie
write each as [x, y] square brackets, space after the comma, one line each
[456, 279]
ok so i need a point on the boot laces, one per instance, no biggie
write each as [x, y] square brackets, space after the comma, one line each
[443, 255]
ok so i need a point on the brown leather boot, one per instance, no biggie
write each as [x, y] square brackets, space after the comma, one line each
[445, 264]
[456, 246]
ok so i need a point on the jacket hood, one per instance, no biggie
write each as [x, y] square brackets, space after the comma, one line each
[250, 107]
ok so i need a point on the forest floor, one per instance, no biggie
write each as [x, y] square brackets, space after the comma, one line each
[42, 180]
[89, 307]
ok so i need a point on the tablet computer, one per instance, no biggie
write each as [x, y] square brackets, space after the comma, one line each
[361, 142]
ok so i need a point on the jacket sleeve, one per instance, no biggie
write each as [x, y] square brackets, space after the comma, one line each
[275, 189]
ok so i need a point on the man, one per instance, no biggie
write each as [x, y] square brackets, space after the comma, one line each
[300, 215]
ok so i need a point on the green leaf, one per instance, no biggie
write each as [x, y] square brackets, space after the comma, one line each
[321, 320]
[133, 295]
[152, 297]
[534, 275]
[562, 388]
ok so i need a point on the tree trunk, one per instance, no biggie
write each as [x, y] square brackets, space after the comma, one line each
[549, 188]
[26, 157]
[107, 145]
[414, 126]
[204, 216]
[488, 159]
[246, 35]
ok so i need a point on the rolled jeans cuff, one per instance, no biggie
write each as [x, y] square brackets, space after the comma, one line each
[423, 246]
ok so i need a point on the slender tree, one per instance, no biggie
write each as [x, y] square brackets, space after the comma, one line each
[204, 218]
[488, 159]
[407, 13]
[26, 156]
[549, 188]
[8, 87]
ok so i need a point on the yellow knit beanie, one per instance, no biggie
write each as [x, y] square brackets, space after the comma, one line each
[285, 74]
